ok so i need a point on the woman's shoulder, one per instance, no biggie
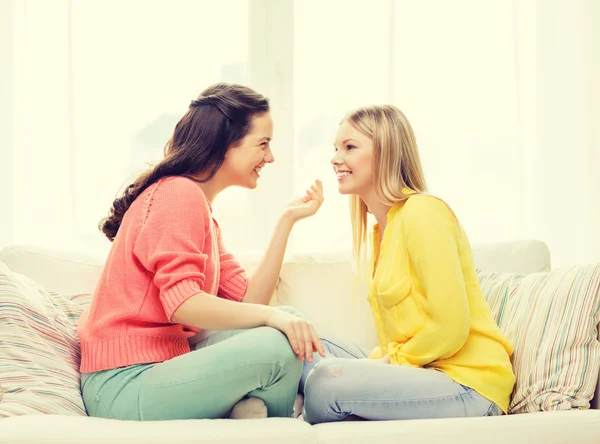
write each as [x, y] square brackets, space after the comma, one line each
[175, 194]
[180, 184]
[176, 187]
[425, 205]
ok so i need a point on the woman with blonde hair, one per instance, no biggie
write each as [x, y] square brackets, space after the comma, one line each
[440, 352]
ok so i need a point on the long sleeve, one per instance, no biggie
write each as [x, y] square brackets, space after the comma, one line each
[431, 234]
[171, 241]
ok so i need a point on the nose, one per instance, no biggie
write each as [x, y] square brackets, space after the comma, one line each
[335, 160]
[269, 158]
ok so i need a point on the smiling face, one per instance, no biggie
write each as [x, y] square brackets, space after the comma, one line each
[244, 161]
[353, 160]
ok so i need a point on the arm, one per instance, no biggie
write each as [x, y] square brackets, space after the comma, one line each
[170, 243]
[261, 284]
[206, 311]
[432, 241]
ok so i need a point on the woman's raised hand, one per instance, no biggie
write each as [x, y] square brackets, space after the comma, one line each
[308, 205]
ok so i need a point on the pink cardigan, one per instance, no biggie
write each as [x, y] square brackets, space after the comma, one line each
[167, 249]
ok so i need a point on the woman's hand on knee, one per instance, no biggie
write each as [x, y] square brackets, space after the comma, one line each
[301, 334]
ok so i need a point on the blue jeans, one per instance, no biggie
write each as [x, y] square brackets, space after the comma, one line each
[344, 385]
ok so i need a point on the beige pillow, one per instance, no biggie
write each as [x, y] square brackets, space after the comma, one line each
[551, 319]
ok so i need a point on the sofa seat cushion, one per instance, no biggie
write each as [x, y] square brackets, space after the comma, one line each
[58, 429]
[560, 427]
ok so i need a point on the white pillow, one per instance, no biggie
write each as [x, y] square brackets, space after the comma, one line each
[551, 319]
[39, 349]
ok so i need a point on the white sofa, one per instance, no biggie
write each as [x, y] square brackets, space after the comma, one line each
[321, 288]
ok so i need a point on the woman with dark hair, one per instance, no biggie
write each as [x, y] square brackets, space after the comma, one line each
[168, 282]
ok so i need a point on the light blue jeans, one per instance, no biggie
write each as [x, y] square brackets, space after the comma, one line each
[342, 386]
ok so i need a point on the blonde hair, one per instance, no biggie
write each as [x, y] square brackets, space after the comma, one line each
[396, 164]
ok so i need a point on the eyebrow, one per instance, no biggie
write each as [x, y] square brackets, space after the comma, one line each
[268, 139]
[346, 140]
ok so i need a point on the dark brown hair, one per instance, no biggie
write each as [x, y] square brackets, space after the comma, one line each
[218, 119]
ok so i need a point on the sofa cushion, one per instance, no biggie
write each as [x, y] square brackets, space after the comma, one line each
[551, 319]
[72, 429]
[525, 257]
[566, 427]
[39, 349]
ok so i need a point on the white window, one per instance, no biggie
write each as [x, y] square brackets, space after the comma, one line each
[502, 97]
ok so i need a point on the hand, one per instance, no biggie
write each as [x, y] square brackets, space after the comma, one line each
[301, 334]
[307, 205]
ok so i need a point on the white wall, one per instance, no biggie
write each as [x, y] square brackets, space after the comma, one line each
[565, 186]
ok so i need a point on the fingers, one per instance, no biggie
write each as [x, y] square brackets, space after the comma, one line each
[308, 342]
[305, 340]
[305, 199]
[299, 335]
[318, 188]
[293, 339]
[313, 195]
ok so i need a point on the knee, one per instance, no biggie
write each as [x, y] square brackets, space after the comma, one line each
[277, 349]
[323, 386]
[324, 376]
[290, 309]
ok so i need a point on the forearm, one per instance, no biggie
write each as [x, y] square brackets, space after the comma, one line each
[213, 313]
[262, 282]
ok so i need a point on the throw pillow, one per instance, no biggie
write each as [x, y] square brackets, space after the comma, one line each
[39, 349]
[552, 320]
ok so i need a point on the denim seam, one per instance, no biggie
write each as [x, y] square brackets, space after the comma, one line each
[396, 401]
[340, 347]
[439, 398]
[101, 404]
[493, 409]
[152, 386]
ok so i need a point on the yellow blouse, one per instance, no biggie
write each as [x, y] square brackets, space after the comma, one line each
[428, 306]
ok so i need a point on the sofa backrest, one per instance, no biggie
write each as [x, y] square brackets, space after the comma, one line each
[321, 286]
[324, 288]
[65, 272]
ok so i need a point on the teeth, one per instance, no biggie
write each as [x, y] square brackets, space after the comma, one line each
[343, 173]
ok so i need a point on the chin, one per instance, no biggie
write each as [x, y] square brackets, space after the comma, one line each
[250, 184]
[344, 190]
